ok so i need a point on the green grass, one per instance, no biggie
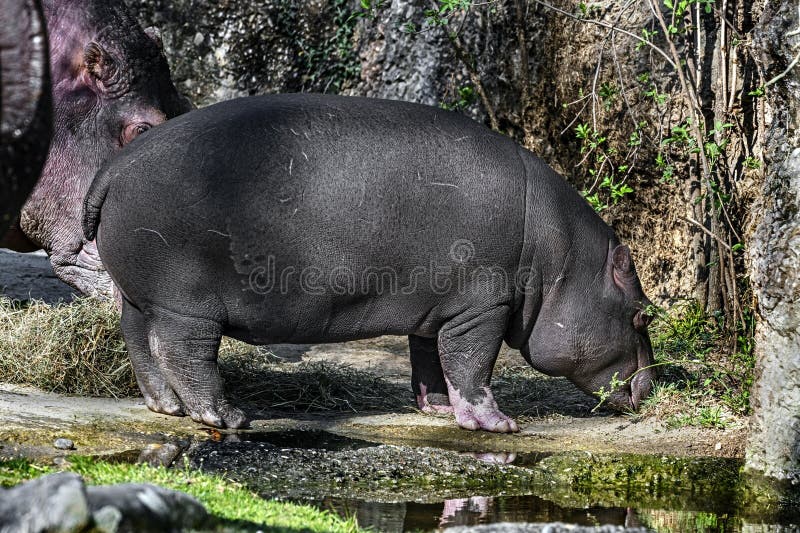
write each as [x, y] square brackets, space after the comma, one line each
[706, 374]
[222, 498]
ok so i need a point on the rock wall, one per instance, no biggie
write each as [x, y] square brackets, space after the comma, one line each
[774, 444]
[222, 50]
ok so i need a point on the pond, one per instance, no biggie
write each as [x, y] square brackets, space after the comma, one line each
[407, 488]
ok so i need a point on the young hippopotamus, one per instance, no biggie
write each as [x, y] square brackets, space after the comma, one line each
[310, 218]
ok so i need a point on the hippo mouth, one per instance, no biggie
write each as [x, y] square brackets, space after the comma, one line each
[84, 271]
[637, 387]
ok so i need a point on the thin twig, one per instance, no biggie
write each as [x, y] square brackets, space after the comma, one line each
[783, 74]
[707, 231]
[524, 73]
[796, 59]
[461, 54]
[612, 27]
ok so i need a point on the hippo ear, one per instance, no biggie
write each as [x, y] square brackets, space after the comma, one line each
[623, 271]
[155, 36]
[99, 62]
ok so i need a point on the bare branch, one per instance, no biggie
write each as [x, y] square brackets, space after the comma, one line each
[706, 231]
[469, 64]
[661, 52]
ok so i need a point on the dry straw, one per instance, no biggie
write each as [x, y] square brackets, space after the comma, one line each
[67, 348]
[77, 348]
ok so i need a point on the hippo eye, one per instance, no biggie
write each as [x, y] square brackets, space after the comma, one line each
[132, 131]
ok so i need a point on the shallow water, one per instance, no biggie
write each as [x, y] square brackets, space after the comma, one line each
[702, 495]
[414, 516]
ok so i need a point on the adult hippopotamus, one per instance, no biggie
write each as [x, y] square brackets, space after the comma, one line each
[110, 82]
[25, 103]
[311, 218]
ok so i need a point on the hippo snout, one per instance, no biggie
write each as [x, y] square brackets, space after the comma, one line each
[629, 396]
[641, 386]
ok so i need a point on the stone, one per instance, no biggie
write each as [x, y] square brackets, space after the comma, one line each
[51, 503]
[159, 454]
[62, 503]
[146, 508]
[64, 444]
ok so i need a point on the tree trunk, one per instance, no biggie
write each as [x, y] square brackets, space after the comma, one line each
[774, 443]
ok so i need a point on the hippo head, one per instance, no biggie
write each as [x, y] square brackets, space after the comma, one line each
[111, 82]
[594, 330]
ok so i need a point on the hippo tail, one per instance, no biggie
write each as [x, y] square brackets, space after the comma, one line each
[93, 202]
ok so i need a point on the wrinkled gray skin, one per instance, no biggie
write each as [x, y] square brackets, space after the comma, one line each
[25, 103]
[310, 218]
[110, 82]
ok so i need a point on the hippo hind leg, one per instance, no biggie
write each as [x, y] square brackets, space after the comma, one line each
[427, 377]
[158, 395]
[186, 349]
[468, 347]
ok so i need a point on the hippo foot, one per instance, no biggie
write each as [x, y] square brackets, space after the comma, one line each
[434, 404]
[167, 406]
[222, 416]
[483, 414]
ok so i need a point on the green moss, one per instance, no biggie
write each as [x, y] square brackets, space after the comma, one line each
[224, 499]
[642, 480]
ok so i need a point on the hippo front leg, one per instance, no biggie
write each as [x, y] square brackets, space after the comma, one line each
[427, 377]
[468, 348]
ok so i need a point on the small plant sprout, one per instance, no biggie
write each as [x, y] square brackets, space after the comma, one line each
[615, 385]
[751, 163]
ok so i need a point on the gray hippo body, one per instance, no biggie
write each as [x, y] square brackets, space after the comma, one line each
[311, 218]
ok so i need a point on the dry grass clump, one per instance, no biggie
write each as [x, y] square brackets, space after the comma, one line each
[254, 378]
[73, 348]
[527, 394]
[77, 348]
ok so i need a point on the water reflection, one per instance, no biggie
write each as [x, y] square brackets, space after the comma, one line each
[495, 458]
[414, 516]
[476, 510]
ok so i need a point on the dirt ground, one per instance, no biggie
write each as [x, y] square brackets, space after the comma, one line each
[31, 419]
